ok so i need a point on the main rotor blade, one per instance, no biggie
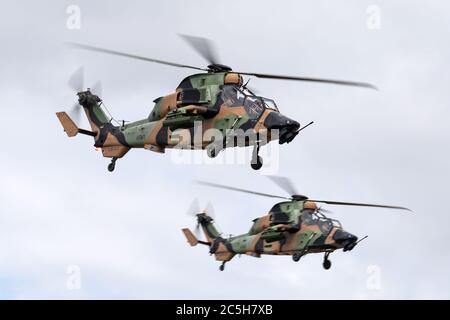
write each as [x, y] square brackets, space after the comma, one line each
[210, 184]
[285, 184]
[197, 230]
[133, 56]
[203, 46]
[360, 204]
[309, 79]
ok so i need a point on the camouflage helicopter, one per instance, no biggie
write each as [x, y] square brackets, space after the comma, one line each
[217, 98]
[294, 227]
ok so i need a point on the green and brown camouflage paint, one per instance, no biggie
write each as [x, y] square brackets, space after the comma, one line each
[287, 229]
[170, 124]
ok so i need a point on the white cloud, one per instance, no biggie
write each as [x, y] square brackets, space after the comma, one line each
[59, 206]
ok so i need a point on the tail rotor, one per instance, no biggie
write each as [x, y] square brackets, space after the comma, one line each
[97, 88]
[195, 211]
[76, 83]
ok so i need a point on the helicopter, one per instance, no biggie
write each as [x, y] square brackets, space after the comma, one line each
[216, 102]
[296, 226]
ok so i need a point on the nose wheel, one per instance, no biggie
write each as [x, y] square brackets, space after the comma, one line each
[326, 262]
[112, 165]
[257, 161]
[222, 266]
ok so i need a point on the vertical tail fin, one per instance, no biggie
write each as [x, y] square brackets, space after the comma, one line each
[106, 136]
[207, 225]
[210, 231]
[92, 106]
[221, 248]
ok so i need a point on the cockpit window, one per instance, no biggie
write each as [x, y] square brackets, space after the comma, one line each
[270, 104]
[308, 217]
[232, 97]
[254, 105]
[314, 217]
[280, 217]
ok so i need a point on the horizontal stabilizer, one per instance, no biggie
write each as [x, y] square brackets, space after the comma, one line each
[70, 127]
[190, 237]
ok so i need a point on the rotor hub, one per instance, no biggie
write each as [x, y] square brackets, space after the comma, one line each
[299, 197]
[217, 67]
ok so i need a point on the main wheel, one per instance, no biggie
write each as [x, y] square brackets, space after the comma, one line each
[111, 167]
[296, 256]
[258, 164]
[326, 264]
[222, 267]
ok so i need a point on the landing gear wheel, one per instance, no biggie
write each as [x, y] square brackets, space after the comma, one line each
[258, 165]
[112, 165]
[296, 256]
[222, 267]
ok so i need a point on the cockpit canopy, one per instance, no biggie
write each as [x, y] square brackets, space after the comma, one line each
[214, 89]
[234, 96]
[315, 217]
[292, 213]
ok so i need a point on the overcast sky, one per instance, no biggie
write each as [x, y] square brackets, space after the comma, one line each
[62, 213]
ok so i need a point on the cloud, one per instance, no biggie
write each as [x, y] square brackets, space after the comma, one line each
[60, 207]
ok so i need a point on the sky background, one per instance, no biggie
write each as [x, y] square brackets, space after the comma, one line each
[61, 210]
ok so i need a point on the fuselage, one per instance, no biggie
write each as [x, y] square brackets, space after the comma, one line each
[206, 108]
[290, 227]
